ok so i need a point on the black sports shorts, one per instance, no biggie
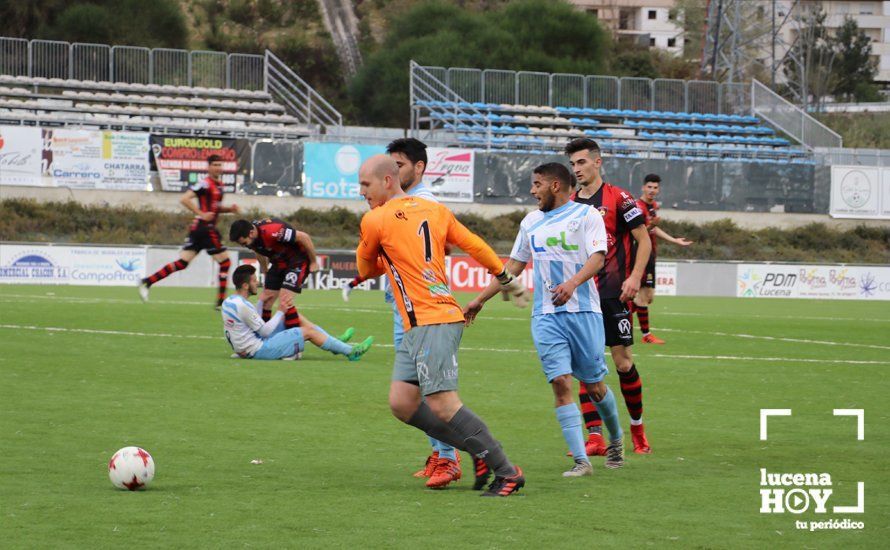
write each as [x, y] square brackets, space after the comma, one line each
[289, 278]
[204, 237]
[649, 275]
[617, 322]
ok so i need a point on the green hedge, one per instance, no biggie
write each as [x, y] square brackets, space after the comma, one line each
[71, 222]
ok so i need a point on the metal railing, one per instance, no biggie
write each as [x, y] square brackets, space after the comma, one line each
[790, 119]
[130, 64]
[426, 85]
[592, 91]
[852, 157]
[52, 59]
[298, 97]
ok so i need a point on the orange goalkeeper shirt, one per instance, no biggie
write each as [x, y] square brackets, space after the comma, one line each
[409, 235]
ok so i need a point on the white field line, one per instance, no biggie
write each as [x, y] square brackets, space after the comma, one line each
[370, 309]
[467, 348]
[777, 338]
[767, 359]
[659, 329]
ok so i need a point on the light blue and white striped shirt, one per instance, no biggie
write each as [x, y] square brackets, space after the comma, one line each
[559, 243]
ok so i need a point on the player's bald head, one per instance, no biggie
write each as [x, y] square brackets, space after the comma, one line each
[379, 179]
[380, 166]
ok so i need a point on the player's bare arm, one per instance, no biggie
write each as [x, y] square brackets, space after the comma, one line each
[473, 245]
[303, 239]
[188, 201]
[631, 285]
[563, 292]
[663, 235]
[472, 309]
[264, 263]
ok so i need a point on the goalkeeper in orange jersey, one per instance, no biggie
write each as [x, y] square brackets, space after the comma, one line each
[405, 238]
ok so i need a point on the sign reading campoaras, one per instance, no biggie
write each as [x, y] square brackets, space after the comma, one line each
[860, 192]
[89, 159]
[449, 173]
[813, 281]
[20, 155]
[71, 265]
[330, 170]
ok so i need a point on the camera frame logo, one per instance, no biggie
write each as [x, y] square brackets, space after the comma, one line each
[800, 492]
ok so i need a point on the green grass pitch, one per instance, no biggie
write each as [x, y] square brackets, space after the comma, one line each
[337, 466]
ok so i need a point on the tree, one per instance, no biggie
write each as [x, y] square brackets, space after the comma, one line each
[691, 15]
[854, 69]
[159, 23]
[809, 62]
[529, 35]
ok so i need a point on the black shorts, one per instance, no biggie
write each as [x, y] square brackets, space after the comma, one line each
[288, 278]
[204, 237]
[618, 322]
[649, 275]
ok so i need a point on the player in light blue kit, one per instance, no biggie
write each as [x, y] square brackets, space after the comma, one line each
[443, 464]
[251, 338]
[567, 241]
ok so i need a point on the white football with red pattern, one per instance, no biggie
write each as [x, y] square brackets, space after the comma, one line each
[131, 468]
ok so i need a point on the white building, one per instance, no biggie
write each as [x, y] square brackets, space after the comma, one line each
[646, 22]
[873, 17]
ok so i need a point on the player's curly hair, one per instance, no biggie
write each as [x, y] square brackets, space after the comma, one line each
[654, 178]
[556, 171]
[239, 229]
[242, 275]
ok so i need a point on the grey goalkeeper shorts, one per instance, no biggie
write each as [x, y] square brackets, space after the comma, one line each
[428, 357]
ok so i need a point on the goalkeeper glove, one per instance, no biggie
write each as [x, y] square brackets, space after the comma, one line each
[514, 288]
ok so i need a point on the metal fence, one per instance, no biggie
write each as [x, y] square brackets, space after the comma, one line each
[852, 157]
[104, 63]
[51, 59]
[593, 91]
[790, 119]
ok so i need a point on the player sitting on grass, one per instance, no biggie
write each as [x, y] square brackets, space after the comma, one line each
[251, 338]
[286, 257]
[567, 242]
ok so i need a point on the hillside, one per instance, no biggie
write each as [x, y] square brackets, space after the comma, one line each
[860, 130]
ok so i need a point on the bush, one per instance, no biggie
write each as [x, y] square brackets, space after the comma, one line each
[71, 222]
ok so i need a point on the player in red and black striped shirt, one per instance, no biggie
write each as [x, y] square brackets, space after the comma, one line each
[203, 234]
[286, 256]
[618, 282]
[647, 203]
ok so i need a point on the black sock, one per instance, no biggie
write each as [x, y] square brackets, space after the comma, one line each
[480, 443]
[426, 421]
